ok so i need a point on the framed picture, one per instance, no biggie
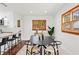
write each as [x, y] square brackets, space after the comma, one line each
[38, 24]
[18, 23]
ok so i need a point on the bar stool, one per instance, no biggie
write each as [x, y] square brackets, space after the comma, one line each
[14, 37]
[18, 37]
[3, 43]
[11, 43]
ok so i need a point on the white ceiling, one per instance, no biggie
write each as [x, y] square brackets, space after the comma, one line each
[33, 8]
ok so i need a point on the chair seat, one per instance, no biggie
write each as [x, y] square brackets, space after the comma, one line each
[50, 49]
[35, 49]
[16, 37]
[2, 43]
[11, 39]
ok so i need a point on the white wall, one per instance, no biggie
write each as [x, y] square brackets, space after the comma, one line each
[9, 16]
[12, 20]
[70, 42]
[27, 24]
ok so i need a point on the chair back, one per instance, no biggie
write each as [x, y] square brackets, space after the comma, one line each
[19, 34]
[4, 40]
[35, 39]
[14, 36]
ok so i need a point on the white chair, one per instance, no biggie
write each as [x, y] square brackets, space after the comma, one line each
[32, 48]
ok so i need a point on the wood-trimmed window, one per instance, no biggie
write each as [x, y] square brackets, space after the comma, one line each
[70, 21]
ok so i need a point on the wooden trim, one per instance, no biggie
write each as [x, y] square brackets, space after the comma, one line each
[38, 25]
[18, 23]
[70, 11]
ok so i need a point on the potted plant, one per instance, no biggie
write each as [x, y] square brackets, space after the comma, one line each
[51, 31]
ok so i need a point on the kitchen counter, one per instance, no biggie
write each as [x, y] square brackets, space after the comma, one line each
[7, 34]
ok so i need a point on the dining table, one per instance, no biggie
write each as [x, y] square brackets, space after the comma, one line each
[41, 42]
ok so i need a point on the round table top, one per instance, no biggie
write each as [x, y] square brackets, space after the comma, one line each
[47, 40]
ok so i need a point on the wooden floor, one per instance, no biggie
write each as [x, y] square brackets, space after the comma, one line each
[15, 49]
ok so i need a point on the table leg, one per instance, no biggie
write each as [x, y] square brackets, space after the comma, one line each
[41, 50]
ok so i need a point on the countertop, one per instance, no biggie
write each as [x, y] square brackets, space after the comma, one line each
[6, 34]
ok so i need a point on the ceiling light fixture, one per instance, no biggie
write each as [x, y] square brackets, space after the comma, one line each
[31, 12]
[45, 11]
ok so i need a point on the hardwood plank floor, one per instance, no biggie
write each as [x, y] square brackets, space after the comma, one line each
[15, 49]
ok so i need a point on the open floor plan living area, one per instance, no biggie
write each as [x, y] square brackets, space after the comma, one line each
[39, 29]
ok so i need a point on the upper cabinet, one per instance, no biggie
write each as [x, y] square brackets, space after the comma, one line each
[4, 21]
[70, 21]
